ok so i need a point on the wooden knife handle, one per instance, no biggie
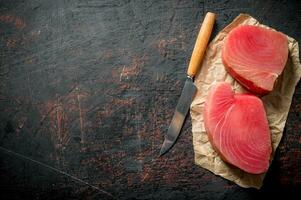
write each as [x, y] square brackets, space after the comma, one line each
[201, 44]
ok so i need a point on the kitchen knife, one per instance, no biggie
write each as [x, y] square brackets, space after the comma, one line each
[189, 89]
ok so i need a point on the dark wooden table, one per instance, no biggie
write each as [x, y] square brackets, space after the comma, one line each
[88, 88]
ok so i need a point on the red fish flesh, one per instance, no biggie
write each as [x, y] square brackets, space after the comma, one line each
[238, 128]
[255, 57]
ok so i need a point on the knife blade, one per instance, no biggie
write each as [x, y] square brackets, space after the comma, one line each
[189, 89]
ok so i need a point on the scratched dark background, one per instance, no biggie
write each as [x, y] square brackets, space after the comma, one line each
[88, 88]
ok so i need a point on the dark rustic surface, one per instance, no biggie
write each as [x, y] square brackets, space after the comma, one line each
[89, 87]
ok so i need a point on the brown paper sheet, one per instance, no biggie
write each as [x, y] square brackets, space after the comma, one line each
[277, 104]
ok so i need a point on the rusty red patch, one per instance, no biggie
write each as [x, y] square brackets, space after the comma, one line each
[16, 21]
[127, 71]
[11, 43]
[61, 112]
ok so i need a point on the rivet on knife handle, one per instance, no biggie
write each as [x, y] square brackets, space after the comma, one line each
[201, 44]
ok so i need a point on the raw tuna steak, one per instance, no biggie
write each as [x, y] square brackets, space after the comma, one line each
[238, 129]
[255, 57]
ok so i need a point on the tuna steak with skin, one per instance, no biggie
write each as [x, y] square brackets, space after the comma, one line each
[255, 57]
[238, 129]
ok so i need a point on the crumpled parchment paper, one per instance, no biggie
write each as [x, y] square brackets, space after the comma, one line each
[277, 104]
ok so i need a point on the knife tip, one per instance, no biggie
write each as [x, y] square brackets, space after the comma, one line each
[162, 152]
